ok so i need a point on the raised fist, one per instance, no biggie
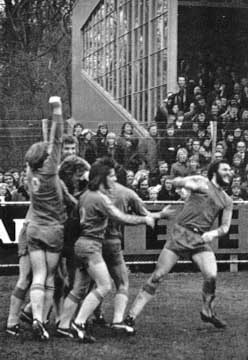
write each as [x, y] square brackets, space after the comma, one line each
[55, 101]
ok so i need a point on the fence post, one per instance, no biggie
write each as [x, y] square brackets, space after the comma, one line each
[214, 136]
[233, 267]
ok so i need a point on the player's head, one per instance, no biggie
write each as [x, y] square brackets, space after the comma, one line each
[74, 170]
[36, 155]
[69, 146]
[102, 172]
[220, 171]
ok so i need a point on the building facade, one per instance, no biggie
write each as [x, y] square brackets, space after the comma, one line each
[125, 55]
[121, 51]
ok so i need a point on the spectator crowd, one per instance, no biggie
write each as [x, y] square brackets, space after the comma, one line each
[180, 138]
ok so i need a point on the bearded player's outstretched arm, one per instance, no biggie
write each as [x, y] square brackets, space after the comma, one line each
[193, 183]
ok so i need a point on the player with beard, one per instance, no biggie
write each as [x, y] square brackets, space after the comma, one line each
[191, 237]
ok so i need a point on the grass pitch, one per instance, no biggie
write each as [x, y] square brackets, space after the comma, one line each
[169, 328]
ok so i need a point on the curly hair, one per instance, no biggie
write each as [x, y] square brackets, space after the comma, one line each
[68, 168]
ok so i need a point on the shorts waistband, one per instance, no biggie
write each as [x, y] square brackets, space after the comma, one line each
[192, 228]
[89, 238]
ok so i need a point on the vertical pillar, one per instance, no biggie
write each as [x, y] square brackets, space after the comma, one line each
[214, 136]
[150, 42]
[133, 69]
[234, 265]
[172, 45]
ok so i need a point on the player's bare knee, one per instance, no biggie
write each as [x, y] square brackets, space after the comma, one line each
[24, 282]
[108, 286]
[104, 288]
[123, 289]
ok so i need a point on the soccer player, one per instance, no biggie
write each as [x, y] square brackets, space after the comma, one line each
[45, 226]
[125, 200]
[95, 209]
[73, 171]
[191, 236]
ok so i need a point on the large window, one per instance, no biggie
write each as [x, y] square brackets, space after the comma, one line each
[125, 51]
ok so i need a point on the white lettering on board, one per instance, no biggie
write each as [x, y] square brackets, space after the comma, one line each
[18, 227]
[4, 236]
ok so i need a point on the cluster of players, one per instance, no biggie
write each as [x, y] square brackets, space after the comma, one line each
[70, 244]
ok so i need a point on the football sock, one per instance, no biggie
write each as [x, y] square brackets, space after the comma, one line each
[48, 303]
[37, 296]
[14, 311]
[68, 312]
[120, 304]
[88, 306]
[141, 300]
[208, 296]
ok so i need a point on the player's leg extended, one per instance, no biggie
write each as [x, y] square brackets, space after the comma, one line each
[37, 291]
[52, 260]
[27, 315]
[167, 259]
[119, 274]
[61, 280]
[72, 301]
[206, 262]
[20, 291]
[98, 312]
[98, 271]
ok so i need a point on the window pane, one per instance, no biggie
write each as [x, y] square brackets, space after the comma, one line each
[135, 53]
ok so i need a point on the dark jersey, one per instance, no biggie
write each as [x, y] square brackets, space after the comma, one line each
[202, 208]
[46, 193]
[127, 201]
[95, 209]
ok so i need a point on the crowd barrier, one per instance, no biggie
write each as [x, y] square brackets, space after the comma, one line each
[141, 244]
